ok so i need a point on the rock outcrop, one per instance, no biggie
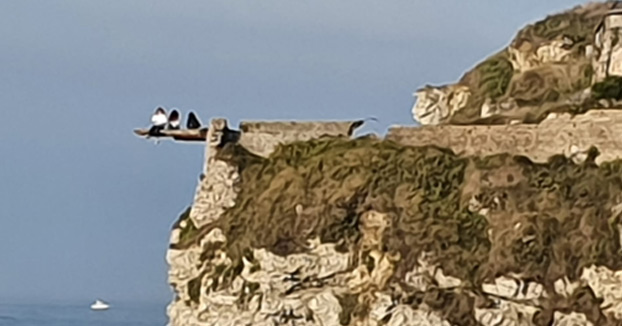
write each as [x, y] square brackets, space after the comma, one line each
[513, 219]
[559, 64]
[302, 224]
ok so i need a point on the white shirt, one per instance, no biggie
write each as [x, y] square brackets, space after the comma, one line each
[158, 119]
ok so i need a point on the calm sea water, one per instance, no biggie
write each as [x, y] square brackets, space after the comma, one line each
[119, 314]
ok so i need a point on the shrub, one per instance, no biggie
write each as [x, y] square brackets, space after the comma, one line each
[610, 88]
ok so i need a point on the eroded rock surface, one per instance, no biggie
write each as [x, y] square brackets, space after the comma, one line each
[566, 62]
[366, 231]
[297, 223]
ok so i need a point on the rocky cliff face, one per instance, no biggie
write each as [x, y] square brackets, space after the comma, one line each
[445, 224]
[301, 224]
[568, 62]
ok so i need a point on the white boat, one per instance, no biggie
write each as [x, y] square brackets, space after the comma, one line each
[99, 305]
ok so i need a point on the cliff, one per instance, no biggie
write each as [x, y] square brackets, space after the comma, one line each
[568, 62]
[491, 223]
[302, 223]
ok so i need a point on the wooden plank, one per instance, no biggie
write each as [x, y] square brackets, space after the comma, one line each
[180, 135]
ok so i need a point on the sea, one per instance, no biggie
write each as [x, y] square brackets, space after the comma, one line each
[80, 314]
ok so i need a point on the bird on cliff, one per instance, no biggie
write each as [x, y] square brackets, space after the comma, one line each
[173, 120]
[158, 121]
[193, 122]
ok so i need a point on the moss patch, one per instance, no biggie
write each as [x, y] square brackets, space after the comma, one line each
[544, 221]
[563, 208]
[555, 221]
[576, 25]
[529, 94]
[495, 75]
[610, 88]
[188, 233]
[342, 179]
[489, 79]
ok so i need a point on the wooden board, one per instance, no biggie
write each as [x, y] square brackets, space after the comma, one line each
[181, 135]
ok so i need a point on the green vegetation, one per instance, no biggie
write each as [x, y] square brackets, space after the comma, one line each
[419, 186]
[543, 86]
[490, 79]
[544, 221]
[564, 215]
[189, 231]
[579, 28]
[421, 189]
[494, 76]
[610, 88]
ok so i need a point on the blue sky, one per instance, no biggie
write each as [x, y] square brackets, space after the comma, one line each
[86, 207]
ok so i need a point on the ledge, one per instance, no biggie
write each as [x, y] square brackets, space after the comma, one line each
[198, 135]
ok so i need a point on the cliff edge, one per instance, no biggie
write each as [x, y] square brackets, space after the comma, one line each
[508, 217]
[304, 224]
[569, 62]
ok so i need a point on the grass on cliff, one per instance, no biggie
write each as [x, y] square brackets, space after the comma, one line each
[339, 180]
[489, 79]
[544, 221]
[495, 75]
[610, 88]
[576, 25]
[421, 189]
[545, 88]
[188, 233]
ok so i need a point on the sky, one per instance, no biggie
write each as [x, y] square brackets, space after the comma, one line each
[86, 207]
